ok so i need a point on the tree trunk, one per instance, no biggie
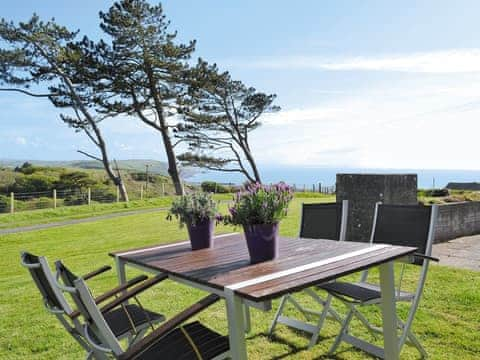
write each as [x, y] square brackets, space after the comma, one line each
[173, 170]
[122, 189]
[253, 165]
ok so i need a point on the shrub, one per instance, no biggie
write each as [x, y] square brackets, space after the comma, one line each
[75, 199]
[437, 192]
[4, 204]
[26, 168]
[214, 187]
[33, 183]
[103, 194]
[74, 180]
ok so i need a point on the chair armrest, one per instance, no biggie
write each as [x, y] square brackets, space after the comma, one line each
[133, 292]
[148, 341]
[120, 288]
[423, 256]
[112, 292]
[96, 272]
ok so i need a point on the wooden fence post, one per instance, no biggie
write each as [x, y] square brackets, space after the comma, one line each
[12, 203]
[141, 192]
[118, 193]
[163, 189]
[89, 196]
[54, 198]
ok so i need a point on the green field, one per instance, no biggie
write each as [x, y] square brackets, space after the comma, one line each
[447, 322]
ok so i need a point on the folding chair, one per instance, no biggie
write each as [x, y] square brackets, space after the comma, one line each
[396, 225]
[170, 341]
[52, 297]
[318, 221]
[130, 321]
[56, 303]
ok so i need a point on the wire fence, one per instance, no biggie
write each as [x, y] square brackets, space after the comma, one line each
[52, 199]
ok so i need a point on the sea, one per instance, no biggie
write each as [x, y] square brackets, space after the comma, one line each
[309, 176]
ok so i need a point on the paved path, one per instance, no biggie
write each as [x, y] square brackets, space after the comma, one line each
[78, 221]
[462, 252]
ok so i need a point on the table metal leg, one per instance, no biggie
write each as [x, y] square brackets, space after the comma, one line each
[236, 325]
[246, 314]
[387, 284]
[121, 273]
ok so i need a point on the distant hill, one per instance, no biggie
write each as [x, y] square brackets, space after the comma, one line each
[137, 165]
[157, 167]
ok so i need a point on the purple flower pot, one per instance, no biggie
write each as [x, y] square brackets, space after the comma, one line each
[262, 241]
[201, 234]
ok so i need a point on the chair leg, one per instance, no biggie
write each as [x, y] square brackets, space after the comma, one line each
[343, 330]
[321, 321]
[412, 339]
[277, 314]
[363, 320]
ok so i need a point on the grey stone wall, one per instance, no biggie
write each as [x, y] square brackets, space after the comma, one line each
[456, 220]
[364, 190]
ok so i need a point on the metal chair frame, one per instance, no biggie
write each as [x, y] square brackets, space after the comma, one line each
[318, 317]
[414, 298]
[105, 342]
[63, 313]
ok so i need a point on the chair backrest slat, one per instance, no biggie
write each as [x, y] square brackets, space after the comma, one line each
[324, 220]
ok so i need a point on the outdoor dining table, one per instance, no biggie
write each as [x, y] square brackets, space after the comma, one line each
[226, 270]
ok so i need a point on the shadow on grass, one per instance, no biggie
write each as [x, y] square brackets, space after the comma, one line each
[295, 349]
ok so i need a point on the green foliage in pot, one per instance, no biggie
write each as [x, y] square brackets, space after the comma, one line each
[193, 208]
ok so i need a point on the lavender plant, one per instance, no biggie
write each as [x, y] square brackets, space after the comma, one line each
[260, 204]
[192, 209]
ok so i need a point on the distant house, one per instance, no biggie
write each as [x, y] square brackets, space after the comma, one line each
[474, 186]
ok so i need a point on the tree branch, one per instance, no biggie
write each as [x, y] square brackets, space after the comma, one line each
[27, 92]
[89, 155]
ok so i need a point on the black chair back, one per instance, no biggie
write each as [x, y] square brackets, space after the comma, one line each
[46, 287]
[321, 221]
[404, 225]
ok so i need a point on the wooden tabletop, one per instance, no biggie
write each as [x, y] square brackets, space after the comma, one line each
[301, 263]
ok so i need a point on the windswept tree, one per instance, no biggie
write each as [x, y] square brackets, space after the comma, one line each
[219, 114]
[38, 59]
[140, 70]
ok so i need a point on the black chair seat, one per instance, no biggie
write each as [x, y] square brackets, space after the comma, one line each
[176, 346]
[362, 292]
[119, 321]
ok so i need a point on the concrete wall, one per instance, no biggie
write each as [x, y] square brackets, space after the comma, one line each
[457, 219]
[364, 190]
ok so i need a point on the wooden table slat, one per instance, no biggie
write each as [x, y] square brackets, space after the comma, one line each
[228, 263]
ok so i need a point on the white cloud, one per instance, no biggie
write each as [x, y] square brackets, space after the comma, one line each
[20, 140]
[441, 61]
[409, 125]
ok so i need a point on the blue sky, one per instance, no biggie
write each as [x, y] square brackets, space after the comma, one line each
[371, 84]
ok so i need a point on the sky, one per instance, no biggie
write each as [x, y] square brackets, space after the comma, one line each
[370, 84]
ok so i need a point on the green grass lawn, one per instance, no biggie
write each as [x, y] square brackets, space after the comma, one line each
[43, 216]
[447, 322]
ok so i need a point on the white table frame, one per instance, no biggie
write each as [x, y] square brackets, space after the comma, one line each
[238, 315]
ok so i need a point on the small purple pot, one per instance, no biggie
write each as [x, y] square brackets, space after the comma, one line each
[201, 234]
[262, 241]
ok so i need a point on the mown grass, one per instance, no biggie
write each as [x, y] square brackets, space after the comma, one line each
[447, 322]
[43, 216]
